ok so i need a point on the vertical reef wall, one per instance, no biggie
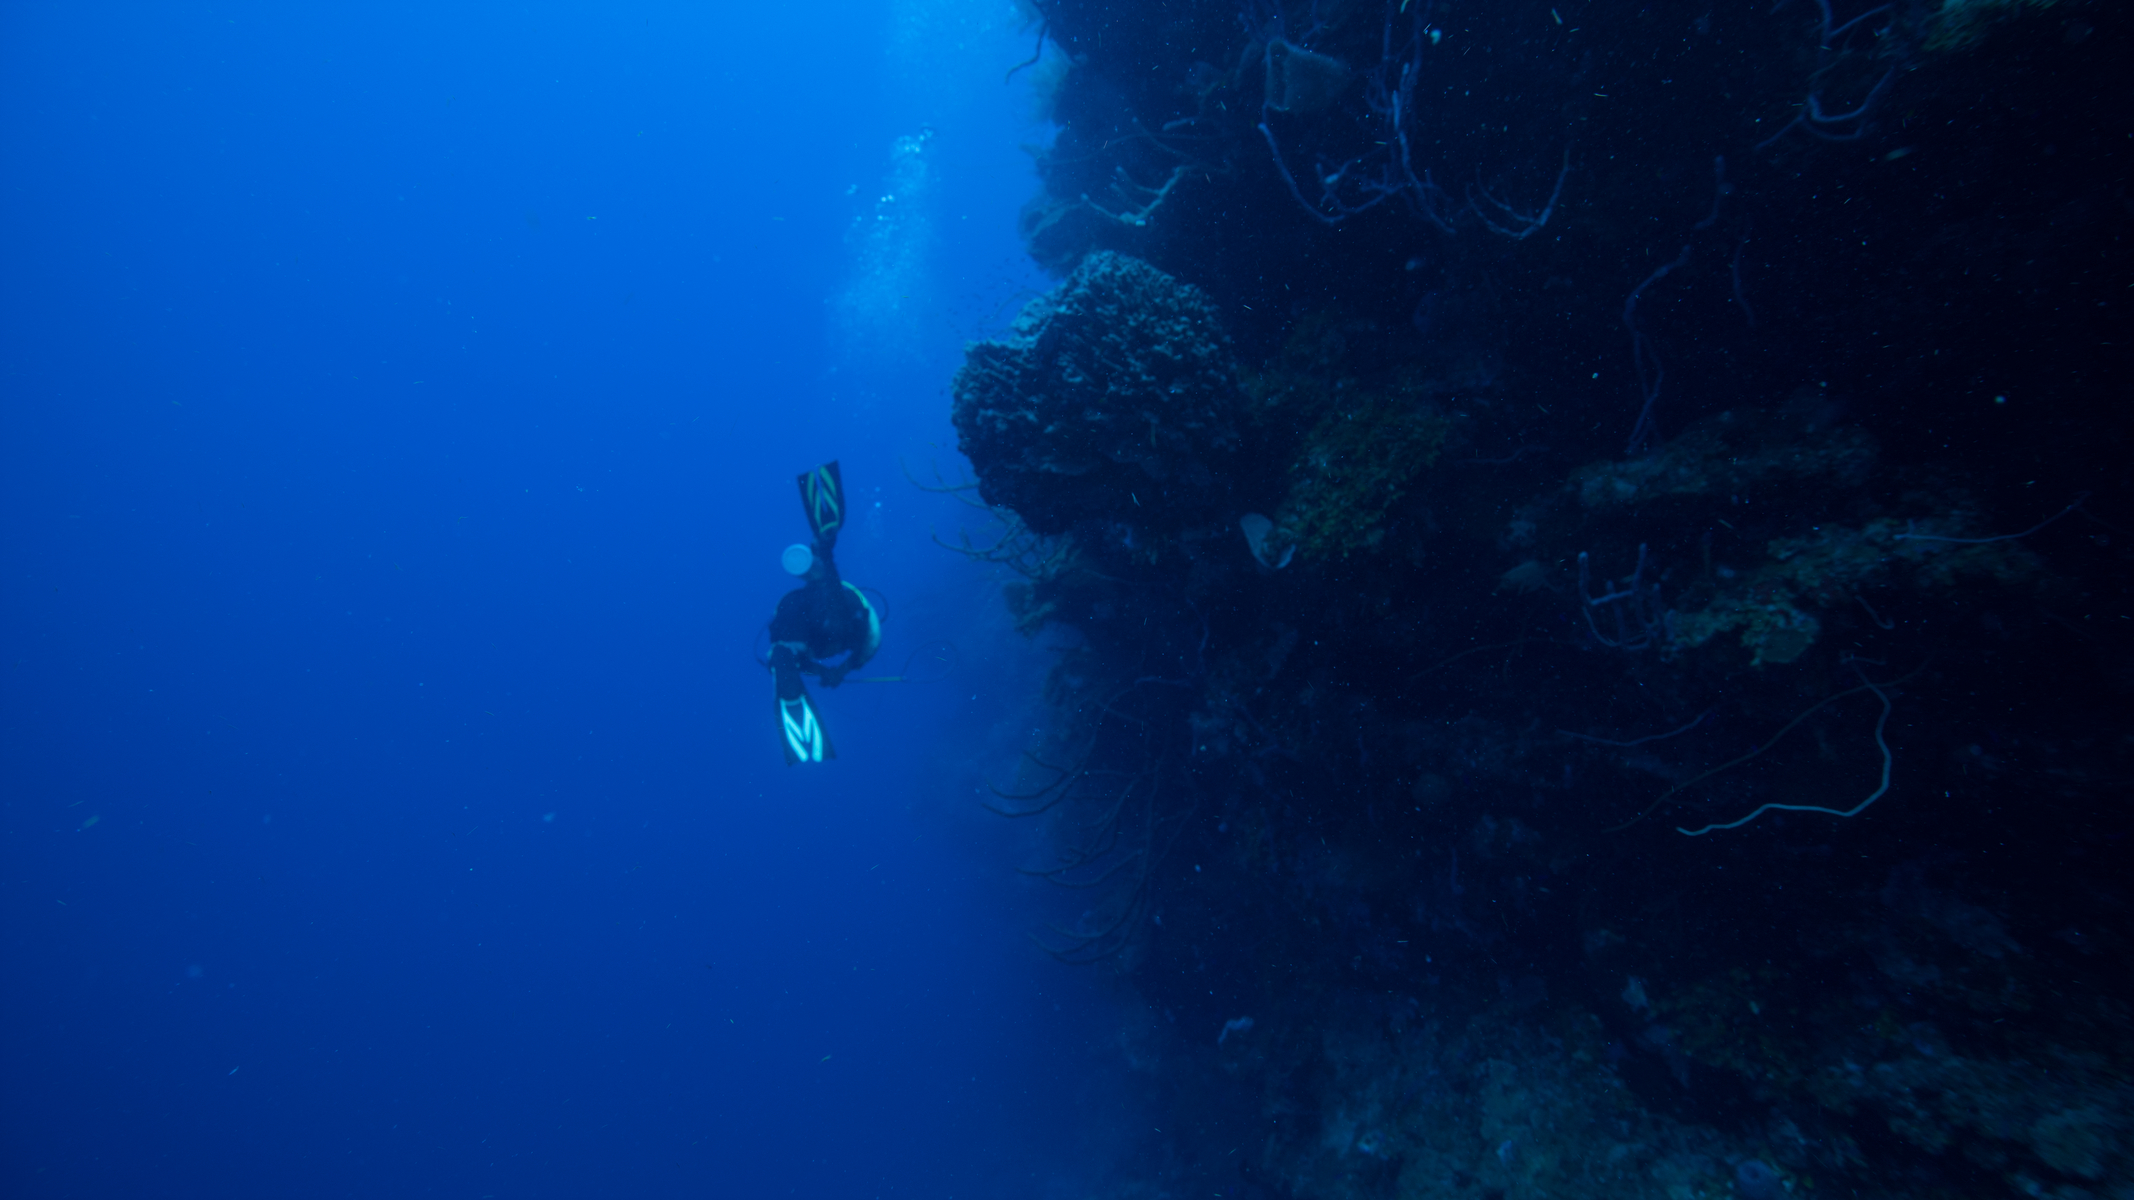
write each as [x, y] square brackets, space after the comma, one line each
[1589, 550]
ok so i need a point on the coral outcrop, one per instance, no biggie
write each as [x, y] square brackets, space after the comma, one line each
[1115, 398]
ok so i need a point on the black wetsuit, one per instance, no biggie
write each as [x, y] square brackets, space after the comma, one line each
[820, 620]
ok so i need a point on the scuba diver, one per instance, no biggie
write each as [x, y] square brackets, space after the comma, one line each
[822, 619]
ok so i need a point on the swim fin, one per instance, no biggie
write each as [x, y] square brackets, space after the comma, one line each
[799, 730]
[822, 495]
[803, 735]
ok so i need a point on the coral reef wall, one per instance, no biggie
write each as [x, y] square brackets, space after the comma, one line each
[1590, 554]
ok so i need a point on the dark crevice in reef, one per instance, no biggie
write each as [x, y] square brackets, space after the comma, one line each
[1473, 449]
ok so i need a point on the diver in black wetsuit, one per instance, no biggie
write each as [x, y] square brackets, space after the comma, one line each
[822, 620]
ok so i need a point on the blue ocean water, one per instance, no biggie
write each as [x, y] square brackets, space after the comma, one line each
[402, 408]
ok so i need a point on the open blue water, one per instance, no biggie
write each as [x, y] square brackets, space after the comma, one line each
[399, 411]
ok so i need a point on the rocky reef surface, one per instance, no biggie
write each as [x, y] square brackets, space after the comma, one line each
[1589, 558]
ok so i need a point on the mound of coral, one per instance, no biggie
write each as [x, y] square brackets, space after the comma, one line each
[1115, 396]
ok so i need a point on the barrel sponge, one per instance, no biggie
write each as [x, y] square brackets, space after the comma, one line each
[1303, 81]
[1114, 397]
